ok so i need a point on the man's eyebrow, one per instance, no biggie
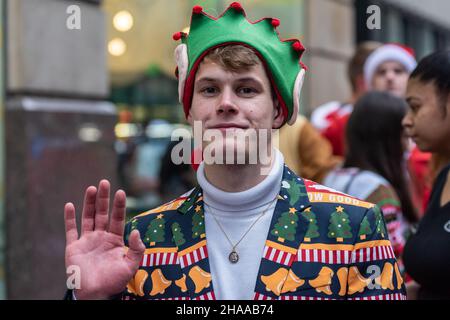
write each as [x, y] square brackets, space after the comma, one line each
[206, 79]
[243, 79]
[250, 79]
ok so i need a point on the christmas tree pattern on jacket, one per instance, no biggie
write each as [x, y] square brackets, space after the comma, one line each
[322, 244]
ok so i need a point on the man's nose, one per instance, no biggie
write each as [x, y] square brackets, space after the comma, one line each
[227, 103]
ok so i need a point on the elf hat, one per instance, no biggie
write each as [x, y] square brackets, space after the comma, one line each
[281, 58]
[388, 52]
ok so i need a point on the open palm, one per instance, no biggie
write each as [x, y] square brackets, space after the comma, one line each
[104, 263]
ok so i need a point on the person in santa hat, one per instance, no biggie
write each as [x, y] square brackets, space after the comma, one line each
[385, 69]
[388, 69]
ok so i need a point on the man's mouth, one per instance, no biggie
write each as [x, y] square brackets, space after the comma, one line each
[228, 126]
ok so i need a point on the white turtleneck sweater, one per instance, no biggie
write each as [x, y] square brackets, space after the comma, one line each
[236, 211]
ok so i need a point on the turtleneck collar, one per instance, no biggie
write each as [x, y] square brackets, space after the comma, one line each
[248, 201]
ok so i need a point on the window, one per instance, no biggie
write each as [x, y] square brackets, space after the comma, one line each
[401, 26]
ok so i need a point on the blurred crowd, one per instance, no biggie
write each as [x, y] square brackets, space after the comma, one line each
[391, 136]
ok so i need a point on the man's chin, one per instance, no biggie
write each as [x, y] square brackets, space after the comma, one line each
[226, 152]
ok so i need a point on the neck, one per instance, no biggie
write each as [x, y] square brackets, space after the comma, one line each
[440, 161]
[237, 178]
[243, 195]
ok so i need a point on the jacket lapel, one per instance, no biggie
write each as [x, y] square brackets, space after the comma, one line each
[193, 254]
[286, 233]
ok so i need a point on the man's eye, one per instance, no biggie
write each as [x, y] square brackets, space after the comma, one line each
[247, 90]
[209, 90]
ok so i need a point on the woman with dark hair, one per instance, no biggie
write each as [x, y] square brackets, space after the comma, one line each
[427, 252]
[374, 169]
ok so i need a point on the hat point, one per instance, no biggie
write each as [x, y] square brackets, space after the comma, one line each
[298, 46]
[176, 36]
[236, 6]
[197, 9]
[275, 22]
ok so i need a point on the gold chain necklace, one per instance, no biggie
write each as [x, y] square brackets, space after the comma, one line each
[234, 256]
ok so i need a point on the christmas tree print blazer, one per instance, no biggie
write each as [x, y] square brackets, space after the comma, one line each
[322, 244]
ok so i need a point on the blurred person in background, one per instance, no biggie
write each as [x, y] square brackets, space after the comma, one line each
[374, 168]
[324, 117]
[427, 252]
[388, 68]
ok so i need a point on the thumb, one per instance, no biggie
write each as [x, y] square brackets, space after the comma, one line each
[136, 248]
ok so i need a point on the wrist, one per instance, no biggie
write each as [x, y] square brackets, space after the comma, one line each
[79, 294]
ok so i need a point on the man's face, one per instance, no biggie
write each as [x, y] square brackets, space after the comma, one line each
[229, 101]
[425, 121]
[392, 77]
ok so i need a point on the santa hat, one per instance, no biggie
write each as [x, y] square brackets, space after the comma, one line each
[388, 52]
[281, 58]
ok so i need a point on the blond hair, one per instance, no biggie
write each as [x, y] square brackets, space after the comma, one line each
[236, 58]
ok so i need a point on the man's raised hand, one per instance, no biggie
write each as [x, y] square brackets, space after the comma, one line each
[99, 254]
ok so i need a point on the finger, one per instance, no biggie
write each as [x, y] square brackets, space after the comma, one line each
[70, 223]
[135, 250]
[88, 214]
[102, 205]
[117, 223]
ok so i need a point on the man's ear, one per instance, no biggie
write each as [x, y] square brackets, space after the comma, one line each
[278, 116]
[190, 119]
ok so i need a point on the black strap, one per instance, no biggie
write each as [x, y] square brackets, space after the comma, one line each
[350, 182]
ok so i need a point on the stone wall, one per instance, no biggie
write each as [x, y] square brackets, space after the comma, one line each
[59, 135]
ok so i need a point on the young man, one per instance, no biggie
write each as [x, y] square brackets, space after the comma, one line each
[240, 234]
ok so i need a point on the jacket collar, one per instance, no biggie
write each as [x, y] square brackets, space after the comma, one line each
[295, 196]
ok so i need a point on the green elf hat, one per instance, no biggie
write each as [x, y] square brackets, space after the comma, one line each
[281, 58]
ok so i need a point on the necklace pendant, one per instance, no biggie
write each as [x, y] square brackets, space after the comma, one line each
[233, 257]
